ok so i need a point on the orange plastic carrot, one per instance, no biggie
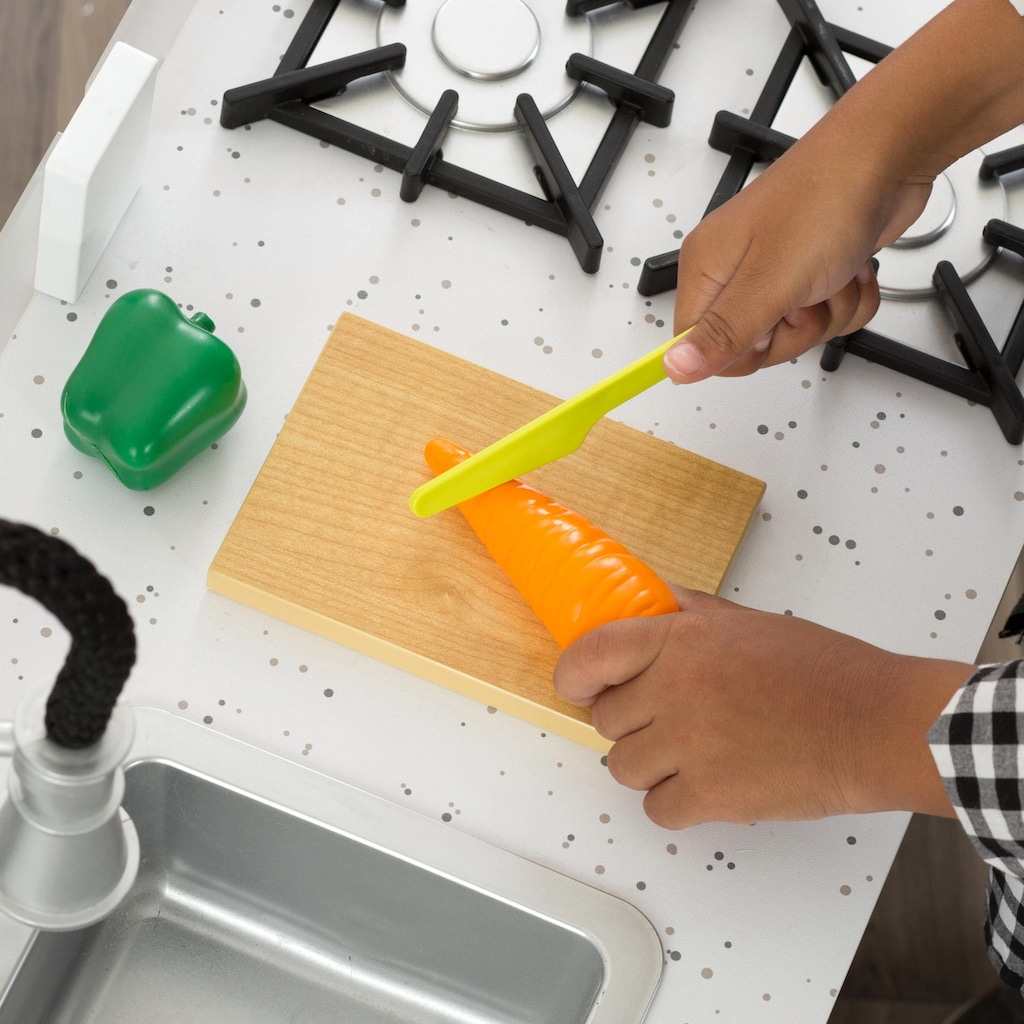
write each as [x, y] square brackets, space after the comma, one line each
[574, 576]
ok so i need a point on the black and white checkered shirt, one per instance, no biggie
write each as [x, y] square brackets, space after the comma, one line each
[978, 745]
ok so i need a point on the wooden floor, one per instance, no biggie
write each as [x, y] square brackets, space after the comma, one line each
[922, 956]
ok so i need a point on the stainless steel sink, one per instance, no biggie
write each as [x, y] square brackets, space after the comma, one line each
[270, 893]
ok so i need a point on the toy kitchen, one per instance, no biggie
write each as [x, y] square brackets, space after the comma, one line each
[407, 216]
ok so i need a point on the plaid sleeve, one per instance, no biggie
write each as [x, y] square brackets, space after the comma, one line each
[978, 746]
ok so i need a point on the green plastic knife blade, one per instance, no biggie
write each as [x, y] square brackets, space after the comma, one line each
[558, 432]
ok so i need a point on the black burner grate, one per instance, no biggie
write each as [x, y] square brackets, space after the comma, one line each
[567, 206]
[989, 375]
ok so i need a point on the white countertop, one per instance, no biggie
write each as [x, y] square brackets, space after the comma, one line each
[893, 511]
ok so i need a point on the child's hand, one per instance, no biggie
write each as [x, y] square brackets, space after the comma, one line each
[785, 264]
[722, 713]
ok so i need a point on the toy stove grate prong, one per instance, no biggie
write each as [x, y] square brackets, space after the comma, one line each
[988, 377]
[566, 207]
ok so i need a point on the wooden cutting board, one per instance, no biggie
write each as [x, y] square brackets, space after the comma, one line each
[325, 539]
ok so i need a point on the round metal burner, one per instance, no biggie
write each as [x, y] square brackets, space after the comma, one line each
[949, 228]
[488, 51]
[936, 218]
[490, 40]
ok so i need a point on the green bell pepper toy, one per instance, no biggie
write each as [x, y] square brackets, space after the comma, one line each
[152, 390]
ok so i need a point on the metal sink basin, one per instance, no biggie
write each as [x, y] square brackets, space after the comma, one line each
[270, 893]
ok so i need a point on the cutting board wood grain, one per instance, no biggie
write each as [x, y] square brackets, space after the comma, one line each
[325, 538]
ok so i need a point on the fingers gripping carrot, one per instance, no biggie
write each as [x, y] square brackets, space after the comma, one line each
[573, 575]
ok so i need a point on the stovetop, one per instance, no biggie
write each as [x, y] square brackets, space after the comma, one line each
[528, 109]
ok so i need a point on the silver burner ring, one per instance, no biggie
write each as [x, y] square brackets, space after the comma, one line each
[488, 40]
[936, 218]
[488, 51]
[949, 228]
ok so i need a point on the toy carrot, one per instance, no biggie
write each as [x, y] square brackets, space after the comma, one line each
[574, 576]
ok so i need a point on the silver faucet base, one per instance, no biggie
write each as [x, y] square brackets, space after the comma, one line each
[68, 853]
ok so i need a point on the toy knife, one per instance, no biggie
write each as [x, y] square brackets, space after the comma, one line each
[558, 432]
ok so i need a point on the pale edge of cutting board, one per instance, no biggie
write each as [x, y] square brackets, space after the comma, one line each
[325, 539]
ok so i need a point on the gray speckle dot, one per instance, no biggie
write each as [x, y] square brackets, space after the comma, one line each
[255, 303]
[845, 890]
[36, 432]
[148, 510]
[940, 614]
[762, 429]
[72, 317]
[958, 510]
[706, 972]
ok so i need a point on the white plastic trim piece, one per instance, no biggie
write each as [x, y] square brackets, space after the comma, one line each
[1018, 6]
[94, 171]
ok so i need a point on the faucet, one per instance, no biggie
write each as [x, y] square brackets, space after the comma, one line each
[68, 851]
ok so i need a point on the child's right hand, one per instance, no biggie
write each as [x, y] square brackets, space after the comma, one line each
[785, 264]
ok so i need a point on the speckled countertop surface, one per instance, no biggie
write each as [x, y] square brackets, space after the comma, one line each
[883, 502]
